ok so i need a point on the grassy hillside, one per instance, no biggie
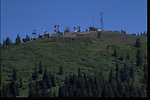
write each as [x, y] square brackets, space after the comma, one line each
[91, 54]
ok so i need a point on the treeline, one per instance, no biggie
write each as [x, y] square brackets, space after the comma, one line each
[120, 83]
[12, 88]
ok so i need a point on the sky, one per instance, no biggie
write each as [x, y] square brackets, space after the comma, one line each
[23, 16]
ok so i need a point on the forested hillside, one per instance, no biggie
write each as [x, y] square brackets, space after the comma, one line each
[110, 64]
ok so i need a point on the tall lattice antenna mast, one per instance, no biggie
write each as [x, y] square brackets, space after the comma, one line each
[93, 21]
[102, 21]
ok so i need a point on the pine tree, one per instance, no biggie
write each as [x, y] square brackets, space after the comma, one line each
[40, 68]
[121, 58]
[14, 74]
[61, 70]
[53, 80]
[35, 74]
[138, 43]
[138, 58]
[8, 41]
[145, 74]
[44, 92]
[37, 89]
[30, 92]
[111, 77]
[5, 90]
[132, 72]
[13, 89]
[79, 72]
[17, 89]
[54, 94]
[125, 73]
[61, 92]
[128, 56]
[114, 53]
[47, 78]
[18, 40]
[20, 81]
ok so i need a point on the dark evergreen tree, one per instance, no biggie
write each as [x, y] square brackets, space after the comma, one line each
[53, 80]
[114, 53]
[44, 92]
[37, 89]
[14, 74]
[18, 40]
[132, 72]
[110, 91]
[105, 90]
[17, 89]
[54, 94]
[35, 74]
[40, 68]
[20, 81]
[30, 92]
[79, 72]
[145, 74]
[27, 38]
[138, 43]
[125, 73]
[5, 90]
[138, 58]
[47, 78]
[61, 70]
[13, 89]
[61, 92]
[121, 58]
[111, 77]
[8, 41]
[128, 56]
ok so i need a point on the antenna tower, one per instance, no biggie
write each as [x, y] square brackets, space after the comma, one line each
[101, 20]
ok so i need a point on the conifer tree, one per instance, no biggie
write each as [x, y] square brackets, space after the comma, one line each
[35, 74]
[138, 43]
[114, 53]
[128, 56]
[8, 41]
[37, 89]
[61, 92]
[79, 72]
[61, 70]
[121, 58]
[18, 40]
[13, 89]
[54, 94]
[30, 92]
[145, 74]
[138, 58]
[47, 78]
[53, 80]
[20, 81]
[5, 90]
[14, 74]
[44, 92]
[40, 68]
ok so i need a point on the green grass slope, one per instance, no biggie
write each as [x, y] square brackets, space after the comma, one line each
[87, 52]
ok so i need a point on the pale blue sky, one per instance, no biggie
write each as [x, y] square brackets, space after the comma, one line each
[22, 16]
